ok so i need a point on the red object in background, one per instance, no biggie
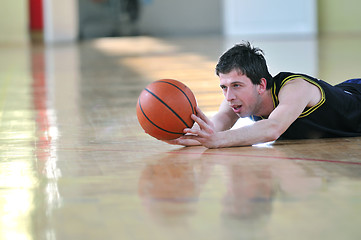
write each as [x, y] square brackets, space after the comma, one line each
[36, 14]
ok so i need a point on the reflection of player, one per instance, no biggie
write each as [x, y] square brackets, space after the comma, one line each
[172, 185]
[167, 181]
[251, 184]
[250, 192]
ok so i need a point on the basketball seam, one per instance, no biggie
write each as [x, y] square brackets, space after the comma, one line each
[165, 104]
[182, 92]
[145, 115]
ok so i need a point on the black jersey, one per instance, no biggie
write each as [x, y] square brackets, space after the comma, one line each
[338, 114]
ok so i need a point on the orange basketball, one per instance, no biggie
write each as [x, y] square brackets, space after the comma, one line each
[164, 109]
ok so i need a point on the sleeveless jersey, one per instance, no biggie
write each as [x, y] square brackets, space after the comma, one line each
[338, 114]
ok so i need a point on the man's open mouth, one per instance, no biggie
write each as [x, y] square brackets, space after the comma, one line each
[236, 108]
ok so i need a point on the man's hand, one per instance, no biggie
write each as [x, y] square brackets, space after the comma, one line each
[202, 132]
[205, 133]
[183, 141]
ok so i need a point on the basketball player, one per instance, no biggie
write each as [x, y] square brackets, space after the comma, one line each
[286, 106]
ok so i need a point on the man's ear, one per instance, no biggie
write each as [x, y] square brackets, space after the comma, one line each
[262, 87]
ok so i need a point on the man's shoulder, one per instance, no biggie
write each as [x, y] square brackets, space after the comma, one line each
[303, 86]
[282, 75]
[285, 77]
[291, 75]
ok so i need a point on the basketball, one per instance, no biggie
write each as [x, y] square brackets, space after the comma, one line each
[164, 109]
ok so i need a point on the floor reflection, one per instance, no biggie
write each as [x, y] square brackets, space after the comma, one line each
[75, 163]
[251, 185]
[17, 176]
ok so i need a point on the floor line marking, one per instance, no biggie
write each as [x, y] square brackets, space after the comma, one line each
[275, 157]
[220, 154]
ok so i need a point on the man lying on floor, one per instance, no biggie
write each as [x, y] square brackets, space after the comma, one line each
[286, 106]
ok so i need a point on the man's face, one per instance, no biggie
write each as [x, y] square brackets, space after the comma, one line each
[242, 95]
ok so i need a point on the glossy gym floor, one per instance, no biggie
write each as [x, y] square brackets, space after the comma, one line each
[75, 164]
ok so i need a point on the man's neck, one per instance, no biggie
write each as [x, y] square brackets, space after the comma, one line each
[267, 104]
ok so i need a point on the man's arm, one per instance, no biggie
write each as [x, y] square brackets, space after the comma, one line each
[223, 120]
[294, 97]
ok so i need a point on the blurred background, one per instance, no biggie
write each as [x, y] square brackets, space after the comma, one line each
[72, 20]
[70, 146]
[329, 30]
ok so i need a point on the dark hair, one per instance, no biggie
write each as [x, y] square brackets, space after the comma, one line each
[248, 60]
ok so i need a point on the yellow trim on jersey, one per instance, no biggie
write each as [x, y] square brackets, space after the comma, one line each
[311, 109]
[274, 96]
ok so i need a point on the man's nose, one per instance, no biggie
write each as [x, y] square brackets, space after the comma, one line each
[230, 95]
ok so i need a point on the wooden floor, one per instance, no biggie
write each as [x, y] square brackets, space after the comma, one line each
[75, 164]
